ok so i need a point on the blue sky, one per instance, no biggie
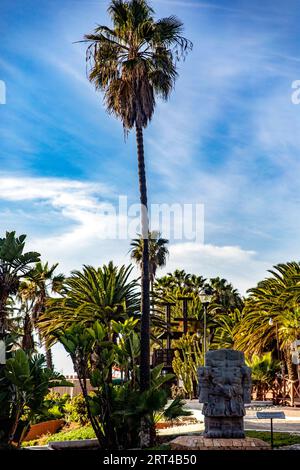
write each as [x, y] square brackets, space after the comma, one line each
[229, 137]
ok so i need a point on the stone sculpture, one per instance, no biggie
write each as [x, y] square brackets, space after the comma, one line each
[224, 387]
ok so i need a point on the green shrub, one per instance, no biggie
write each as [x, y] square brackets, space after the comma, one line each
[85, 432]
[53, 407]
[76, 411]
[24, 383]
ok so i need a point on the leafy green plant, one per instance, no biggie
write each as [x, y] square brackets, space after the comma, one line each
[76, 411]
[53, 407]
[119, 414]
[24, 383]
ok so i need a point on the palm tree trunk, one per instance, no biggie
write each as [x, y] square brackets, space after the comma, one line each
[145, 298]
[49, 359]
[291, 368]
[3, 314]
[27, 340]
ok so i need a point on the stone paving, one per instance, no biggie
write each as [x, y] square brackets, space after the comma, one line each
[202, 443]
[290, 424]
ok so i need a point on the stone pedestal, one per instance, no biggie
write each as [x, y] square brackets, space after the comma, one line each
[204, 443]
[224, 427]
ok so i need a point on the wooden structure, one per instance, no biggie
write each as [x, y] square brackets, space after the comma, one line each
[165, 355]
[283, 392]
[292, 393]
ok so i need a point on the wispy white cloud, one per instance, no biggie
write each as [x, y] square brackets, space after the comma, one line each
[82, 238]
[241, 267]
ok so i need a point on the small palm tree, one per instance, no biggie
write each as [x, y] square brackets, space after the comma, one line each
[133, 63]
[39, 284]
[14, 265]
[103, 294]
[263, 370]
[158, 253]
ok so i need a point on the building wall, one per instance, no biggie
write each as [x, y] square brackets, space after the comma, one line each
[72, 391]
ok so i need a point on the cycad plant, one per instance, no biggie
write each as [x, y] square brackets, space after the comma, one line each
[133, 62]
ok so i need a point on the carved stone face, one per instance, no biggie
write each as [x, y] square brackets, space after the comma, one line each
[222, 358]
[229, 375]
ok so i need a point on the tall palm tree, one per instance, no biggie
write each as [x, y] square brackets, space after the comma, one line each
[133, 62]
[14, 265]
[158, 252]
[39, 284]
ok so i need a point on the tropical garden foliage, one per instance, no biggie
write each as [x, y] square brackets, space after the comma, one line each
[95, 314]
[271, 320]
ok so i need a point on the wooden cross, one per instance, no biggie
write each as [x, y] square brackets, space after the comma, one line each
[185, 318]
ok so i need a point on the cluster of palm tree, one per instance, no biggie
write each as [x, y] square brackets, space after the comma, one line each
[267, 321]
[38, 303]
[14, 266]
[223, 313]
[34, 293]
